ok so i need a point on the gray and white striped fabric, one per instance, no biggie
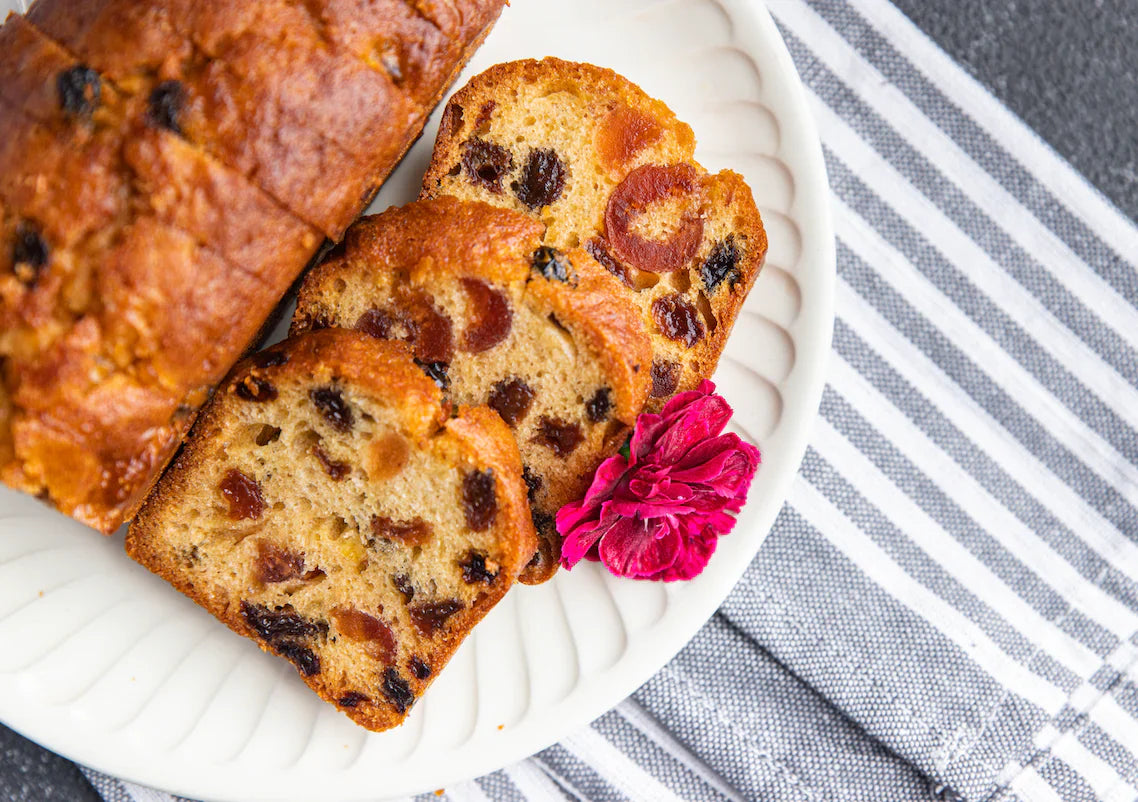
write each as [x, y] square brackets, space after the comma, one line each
[947, 606]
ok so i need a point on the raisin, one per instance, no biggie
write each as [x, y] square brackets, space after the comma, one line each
[376, 323]
[486, 163]
[420, 669]
[436, 372]
[305, 660]
[511, 398]
[279, 624]
[242, 494]
[551, 263]
[270, 359]
[164, 106]
[598, 249]
[721, 265]
[403, 584]
[485, 112]
[336, 470]
[678, 319]
[642, 187]
[476, 568]
[414, 532]
[396, 689]
[599, 406]
[542, 180]
[359, 627]
[558, 435]
[268, 434]
[543, 523]
[332, 406]
[256, 388]
[29, 253]
[277, 564]
[533, 482]
[490, 316]
[430, 617]
[665, 377]
[352, 699]
[479, 502]
[79, 89]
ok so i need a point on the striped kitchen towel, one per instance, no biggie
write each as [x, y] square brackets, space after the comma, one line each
[947, 606]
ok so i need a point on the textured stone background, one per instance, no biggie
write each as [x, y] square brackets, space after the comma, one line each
[1069, 68]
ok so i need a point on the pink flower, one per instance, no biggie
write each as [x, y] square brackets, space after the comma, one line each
[659, 513]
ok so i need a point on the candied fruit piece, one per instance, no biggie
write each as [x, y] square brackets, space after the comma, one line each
[600, 405]
[397, 691]
[336, 470]
[79, 90]
[376, 323]
[164, 107]
[387, 454]
[277, 564]
[551, 263]
[542, 180]
[420, 669]
[414, 532]
[268, 434]
[479, 500]
[722, 265]
[332, 406]
[477, 568]
[243, 495]
[511, 398]
[490, 316]
[305, 660]
[665, 377]
[678, 319]
[429, 331]
[561, 437]
[255, 388]
[29, 253]
[642, 187]
[430, 617]
[624, 133]
[282, 623]
[485, 112]
[360, 627]
[352, 699]
[486, 164]
[436, 372]
[403, 584]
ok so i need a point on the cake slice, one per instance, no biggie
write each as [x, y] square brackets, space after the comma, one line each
[330, 507]
[544, 337]
[607, 168]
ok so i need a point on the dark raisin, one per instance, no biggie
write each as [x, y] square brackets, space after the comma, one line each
[420, 669]
[479, 501]
[543, 523]
[256, 388]
[352, 699]
[270, 359]
[396, 689]
[403, 584]
[376, 323]
[305, 660]
[486, 163]
[243, 495]
[430, 617]
[533, 482]
[29, 253]
[279, 624]
[599, 250]
[165, 104]
[79, 90]
[551, 263]
[336, 470]
[268, 434]
[359, 627]
[600, 405]
[665, 377]
[475, 568]
[678, 319]
[542, 180]
[277, 564]
[490, 316]
[511, 398]
[436, 372]
[332, 406]
[721, 265]
[558, 435]
[414, 532]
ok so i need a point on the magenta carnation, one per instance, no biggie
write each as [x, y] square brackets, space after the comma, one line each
[659, 513]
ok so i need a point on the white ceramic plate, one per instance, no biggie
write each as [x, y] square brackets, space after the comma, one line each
[107, 665]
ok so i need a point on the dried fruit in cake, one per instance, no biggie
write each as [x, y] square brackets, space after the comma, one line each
[605, 167]
[368, 582]
[544, 337]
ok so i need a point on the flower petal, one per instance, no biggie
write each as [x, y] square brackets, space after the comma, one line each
[639, 549]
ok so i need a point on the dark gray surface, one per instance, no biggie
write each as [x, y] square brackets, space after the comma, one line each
[1072, 76]
[1068, 68]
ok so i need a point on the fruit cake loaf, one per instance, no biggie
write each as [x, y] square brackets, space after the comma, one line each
[125, 292]
[261, 85]
[543, 337]
[329, 506]
[608, 168]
